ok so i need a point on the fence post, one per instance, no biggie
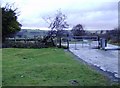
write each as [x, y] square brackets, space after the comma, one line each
[25, 40]
[75, 45]
[15, 39]
[99, 43]
[35, 39]
[67, 43]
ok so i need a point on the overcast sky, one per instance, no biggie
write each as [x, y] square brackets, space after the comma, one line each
[93, 14]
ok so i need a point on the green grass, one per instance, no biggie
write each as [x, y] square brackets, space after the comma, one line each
[46, 67]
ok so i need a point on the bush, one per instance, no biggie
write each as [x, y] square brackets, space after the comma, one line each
[30, 44]
[12, 44]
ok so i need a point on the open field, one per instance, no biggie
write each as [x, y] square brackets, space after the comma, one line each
[46, 67]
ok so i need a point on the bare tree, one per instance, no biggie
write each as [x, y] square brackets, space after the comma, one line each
[58, 23]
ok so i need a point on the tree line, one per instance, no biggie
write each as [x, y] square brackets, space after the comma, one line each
[10, 26]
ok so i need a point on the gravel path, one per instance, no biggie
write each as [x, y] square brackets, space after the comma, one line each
[104, 60]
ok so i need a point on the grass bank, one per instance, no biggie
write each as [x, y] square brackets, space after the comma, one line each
[46, 67]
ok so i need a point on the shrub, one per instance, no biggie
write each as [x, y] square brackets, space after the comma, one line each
[12, 44]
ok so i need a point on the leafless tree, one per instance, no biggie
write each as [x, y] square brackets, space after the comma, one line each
[57, 23]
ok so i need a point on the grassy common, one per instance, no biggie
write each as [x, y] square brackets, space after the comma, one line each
[46, 67]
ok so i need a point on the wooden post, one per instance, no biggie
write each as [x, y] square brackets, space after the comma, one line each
[75, 45]
[98, 42]
[34, 39]
[25, 37]
[24, 40]
[60, 42]
[67, 43]
[14, 39]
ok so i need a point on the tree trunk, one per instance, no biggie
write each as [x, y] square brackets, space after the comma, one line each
[68, 43]
[53, 44]
[60, 42]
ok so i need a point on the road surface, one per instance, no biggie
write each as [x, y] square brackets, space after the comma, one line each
[105, 60]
